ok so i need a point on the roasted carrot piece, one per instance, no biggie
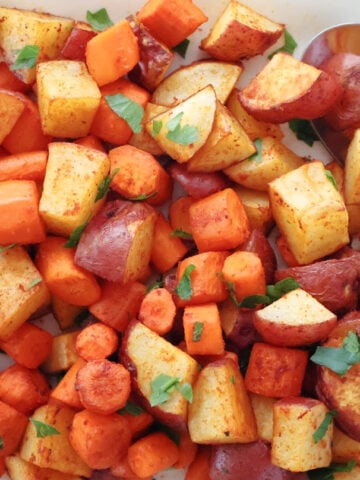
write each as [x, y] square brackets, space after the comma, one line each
[29, 345]
[109, 126]
[20, 221]
[63, 277]
[9, 81]
[151, 454]
[275, 371]
[245, 272]
[122, 470]
[179, 214]
[23, 388]
[103, 386]
[187, 450]
[139, 174]
[24, 166]
[206, 284]
[167, 249]
[100, 440]
[285, 251]
[92, 142]
[139, 421]
[12, 427]
[171, 21]
[202, 328]
[219, 221]
[158, 310]
[64, 393]
[27, 134]
[96, 341]
[118, 304]
[199, 469]
[112, 53]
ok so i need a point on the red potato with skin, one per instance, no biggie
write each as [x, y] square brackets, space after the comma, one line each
[258, 243]
[75, 45]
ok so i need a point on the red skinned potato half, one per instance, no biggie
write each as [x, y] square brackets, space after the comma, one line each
[116, 244]
[287, 88]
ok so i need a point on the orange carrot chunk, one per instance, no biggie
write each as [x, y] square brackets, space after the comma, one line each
[179, 214]
[9, 81]
[92, 142]
[104, 387]
[152, 454]
[24, 166]
[96, 341]
[187, 450]
[157, 310]
[12, 428]
[112, 53]
[199, 469]
[171, 21]
[121, 469]
[64, 393]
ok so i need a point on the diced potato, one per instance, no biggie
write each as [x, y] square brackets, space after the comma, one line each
[221, 411]
[19, 469]
[338, 173]
[196, 113]
[272, 160]
[352, 171]
[263, 410]
[188, 80]
[19, 28]
[73, 175]
[310, 212]
[53, 451]
[296, 419]
[227, 144]
[257, 207]
[143, 139]
[22, 291]
[344, 448]
[63, 353]
[65, 313]
[11, 107]
[240, 32]
[68, 98]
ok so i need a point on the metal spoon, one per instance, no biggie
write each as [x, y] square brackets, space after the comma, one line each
[337, 39]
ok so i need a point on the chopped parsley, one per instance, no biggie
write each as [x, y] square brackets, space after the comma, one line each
[8, 247]
[74, 238]
[289, 45]
[130, 111]
[33, 283]
[154, 285]
[26, 58]
[183, 135]
[257, 155]
[162, 387]
[184, 287]
[99, 20]
[323, 427]
[331, 178]
[327, 473]
[131, 408]
[143, 196]
[303, 131]
[179, 232]
[43, 429]
[105, 185]
[181, 48]
[1, 443]
[156, 127]
[197, 332]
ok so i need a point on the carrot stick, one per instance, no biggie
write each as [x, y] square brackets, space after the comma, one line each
[29, 345]
[24, 166]
[100, 440]
[96, 341]
[139, 421]
[151, 454]
[171, 21]
[92, 142]
[202, 328]
[199, 469]
[187, 451]
[64, 393]
[157, 310]
[23, 388]
[122, 470]
[12, 428]
[104, 387]
[245, 272]
[9, 81]
[179, 214]
[112, 53]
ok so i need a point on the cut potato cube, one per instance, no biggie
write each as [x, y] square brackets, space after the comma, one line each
[296, 419]
[63, 353]
[143, 140]
[53, 451]
[12, 105]
[22, 291]
[186, 81]
[352, 171]
[227, 144]
[272, 160]
[73, 175]
[20, 28]
[257, 207]
[19, 469]
[240, 32]
[221, 411]
[68, 98]
[263, 410]
[310, 212]
[295, 319]
[196, 113]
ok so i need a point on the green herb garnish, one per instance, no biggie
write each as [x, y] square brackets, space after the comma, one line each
[179, 232]
[130, 111]
[339, 359]
[131, 408]
[163, 385]
[257, 155]
[154, 285]
[303, 131]
[143, 196]
[105, 185]
[181, 48]
[288, 47]
[74, 238]
[184, 288]
[99, 20]
[26, 58]
[1, 443]
[43, 429]
[323, 427]
[232, 379]
[8, 247]
[331, 178]
[327, 473]
[33, 283]
[197, 332]
[183, 135]
[156, 127]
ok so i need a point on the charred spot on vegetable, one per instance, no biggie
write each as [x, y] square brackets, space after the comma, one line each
[184, 287]
[99, 20]
[303, 131]
[181, 48]
[197, 332]
[43, 429]
[257, 155]
[105, 185]
[130, 111]
[323, 427]
[327, 473]
[289, 45]
[26, 58]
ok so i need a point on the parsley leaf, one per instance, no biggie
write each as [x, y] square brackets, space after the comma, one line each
[8, 247]
[288, 47]
[180, 233]
[181, 48]
[99, 20]
[303, 131]
[184, 288]
[154, 285]
[327, 473]
[26, 58]
[74, 238]
[43, 429]
[33, 283]
[132, 408]
[130, 111]
[163, 385]
[183, 135]
[197, 332]
[104, 186]
[323, 427]
[1, 443]
[331, 178]
[186, 391]
[232, 379]
[339, 359]
[156, 127]
[143, 196]
[257, 155]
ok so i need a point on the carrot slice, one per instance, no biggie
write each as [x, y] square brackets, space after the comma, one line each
[157, 310]
[96, 341]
